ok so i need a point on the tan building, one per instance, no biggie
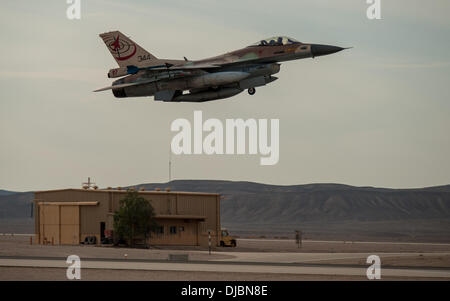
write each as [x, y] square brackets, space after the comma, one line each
[68, 216]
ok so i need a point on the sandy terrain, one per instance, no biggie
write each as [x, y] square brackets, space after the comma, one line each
[284, 245]
[257, 250]
[20, 246]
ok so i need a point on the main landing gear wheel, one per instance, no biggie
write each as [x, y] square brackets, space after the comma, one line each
[251, 91]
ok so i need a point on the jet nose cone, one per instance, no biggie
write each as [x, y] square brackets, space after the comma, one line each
[318, 50]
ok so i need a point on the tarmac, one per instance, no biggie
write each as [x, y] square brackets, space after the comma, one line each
[17, 256]
[240, 264]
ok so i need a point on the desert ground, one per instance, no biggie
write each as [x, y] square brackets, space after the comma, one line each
[252, 259]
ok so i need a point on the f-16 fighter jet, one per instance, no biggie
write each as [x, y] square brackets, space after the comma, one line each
[223, 76]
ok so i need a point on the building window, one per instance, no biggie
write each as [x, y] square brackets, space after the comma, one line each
[173, 230]
[160, 230]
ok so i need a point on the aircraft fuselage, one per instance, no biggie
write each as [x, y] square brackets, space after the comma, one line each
[207, 79]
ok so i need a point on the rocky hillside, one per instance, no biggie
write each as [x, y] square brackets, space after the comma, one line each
[253, 202]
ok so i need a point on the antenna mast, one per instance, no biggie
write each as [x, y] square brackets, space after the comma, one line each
[170, 165]
[89, 184]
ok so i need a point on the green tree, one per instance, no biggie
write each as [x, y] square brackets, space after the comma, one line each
[136, 217]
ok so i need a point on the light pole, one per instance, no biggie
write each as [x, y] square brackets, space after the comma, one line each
[209, 241]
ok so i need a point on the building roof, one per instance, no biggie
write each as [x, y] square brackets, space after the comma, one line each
[69, 203]
[124, 191]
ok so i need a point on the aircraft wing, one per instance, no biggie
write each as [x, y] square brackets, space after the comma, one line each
[198, 66]
[136, 83]
[218, 64]
[183, 67]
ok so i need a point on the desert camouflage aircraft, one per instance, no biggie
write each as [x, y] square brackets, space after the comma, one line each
[214, 78]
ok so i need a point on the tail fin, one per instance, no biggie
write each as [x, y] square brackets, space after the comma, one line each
[125, 51]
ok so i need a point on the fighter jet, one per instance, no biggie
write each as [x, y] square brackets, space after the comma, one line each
[223, 76]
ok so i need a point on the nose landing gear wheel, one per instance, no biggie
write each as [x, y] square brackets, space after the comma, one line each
[251, 91]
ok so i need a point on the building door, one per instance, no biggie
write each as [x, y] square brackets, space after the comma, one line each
[102, 231]
[49, 224]
[70, 225]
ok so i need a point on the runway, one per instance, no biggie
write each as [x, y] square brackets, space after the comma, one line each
[216, 266]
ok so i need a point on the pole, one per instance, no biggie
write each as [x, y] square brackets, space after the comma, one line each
[170, 164]
[209, 241]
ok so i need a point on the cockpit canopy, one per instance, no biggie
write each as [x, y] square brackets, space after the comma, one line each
[276, 41]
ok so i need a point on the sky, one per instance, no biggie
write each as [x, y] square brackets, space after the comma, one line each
[375, 115]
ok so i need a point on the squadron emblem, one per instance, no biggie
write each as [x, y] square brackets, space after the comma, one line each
[121, 49]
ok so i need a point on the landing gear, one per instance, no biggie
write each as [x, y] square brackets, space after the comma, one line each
[251, 91]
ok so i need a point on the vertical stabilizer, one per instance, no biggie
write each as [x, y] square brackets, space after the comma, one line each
[125, 51]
